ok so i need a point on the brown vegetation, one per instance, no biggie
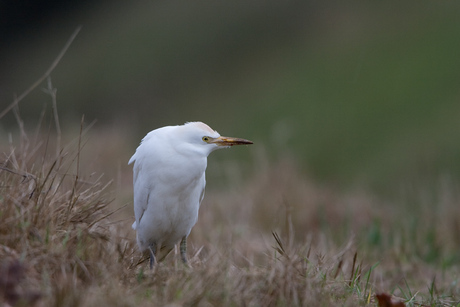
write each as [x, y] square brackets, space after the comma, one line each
[277, 240]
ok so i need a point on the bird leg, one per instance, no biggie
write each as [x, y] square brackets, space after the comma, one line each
[152, 251]
[183, 249]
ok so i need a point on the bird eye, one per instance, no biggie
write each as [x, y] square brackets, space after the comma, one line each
[205, 138]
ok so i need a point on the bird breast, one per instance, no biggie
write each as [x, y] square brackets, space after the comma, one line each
[168, 194]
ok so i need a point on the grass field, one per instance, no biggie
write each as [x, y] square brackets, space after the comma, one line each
[276, 239]
[350, 190]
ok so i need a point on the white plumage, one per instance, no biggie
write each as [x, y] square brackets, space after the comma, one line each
[169, 182]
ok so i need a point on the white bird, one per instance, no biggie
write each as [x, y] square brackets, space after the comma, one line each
[169, 182]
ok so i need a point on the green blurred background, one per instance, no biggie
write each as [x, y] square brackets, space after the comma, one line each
[360, 93]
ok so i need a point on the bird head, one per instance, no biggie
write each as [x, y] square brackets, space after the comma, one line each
[204, 139]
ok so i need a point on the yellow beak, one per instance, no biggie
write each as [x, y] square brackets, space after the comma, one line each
[229, 141]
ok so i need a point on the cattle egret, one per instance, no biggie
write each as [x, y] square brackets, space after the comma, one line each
[169, 181]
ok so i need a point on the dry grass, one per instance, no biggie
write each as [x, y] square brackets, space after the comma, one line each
[279, 240]
[54, 223]
[58, 243]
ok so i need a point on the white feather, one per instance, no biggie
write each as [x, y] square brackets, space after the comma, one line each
[169, 182]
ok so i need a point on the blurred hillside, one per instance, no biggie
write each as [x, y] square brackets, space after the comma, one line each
[360, 93]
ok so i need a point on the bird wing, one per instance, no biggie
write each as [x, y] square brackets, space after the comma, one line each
[203, 190]
[141, 193]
